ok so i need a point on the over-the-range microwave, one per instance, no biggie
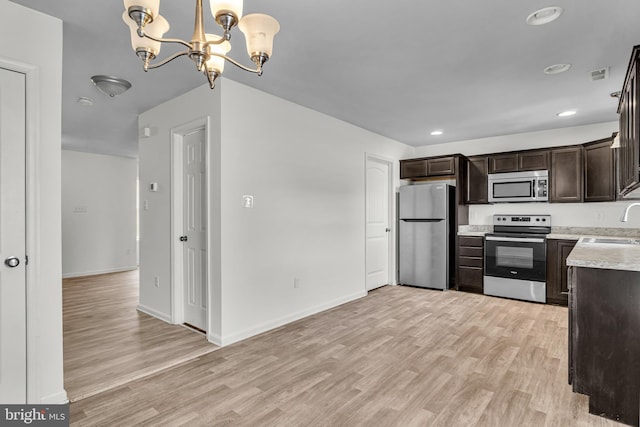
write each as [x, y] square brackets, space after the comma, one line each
[530, 186]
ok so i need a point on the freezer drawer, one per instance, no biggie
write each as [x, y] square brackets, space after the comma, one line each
[423, 254]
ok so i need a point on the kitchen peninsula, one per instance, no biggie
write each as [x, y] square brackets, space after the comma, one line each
[604, 325]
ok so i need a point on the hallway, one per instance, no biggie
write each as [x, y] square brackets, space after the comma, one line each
[108, 342]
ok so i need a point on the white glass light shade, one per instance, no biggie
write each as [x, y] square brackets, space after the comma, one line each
[259, 30]
[215, 63]
[153, 5]
[157, 28]
[222, 6]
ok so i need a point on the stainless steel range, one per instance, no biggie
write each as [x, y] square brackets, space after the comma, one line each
[515, 261]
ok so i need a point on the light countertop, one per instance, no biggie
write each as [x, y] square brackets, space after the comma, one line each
[605, 255]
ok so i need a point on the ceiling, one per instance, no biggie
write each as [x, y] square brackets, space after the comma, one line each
[472, 69]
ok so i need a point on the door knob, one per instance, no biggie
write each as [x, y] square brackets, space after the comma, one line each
[387, 230]
[12, 262]
[183, 238]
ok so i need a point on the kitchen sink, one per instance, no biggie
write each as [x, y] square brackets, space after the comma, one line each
[611, 241]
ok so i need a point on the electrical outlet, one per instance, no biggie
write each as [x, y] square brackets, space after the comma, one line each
[296, 282]
[156, 282]
[145, 205]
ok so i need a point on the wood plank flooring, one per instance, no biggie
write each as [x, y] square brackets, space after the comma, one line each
[107, 342]
[398, 357]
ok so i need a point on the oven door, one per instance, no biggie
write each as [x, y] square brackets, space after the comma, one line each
[521, 257]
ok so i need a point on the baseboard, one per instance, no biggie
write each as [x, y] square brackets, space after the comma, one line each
[155, 313]
[55, 399]
[96, 272]
[215, 339]
[276, 323]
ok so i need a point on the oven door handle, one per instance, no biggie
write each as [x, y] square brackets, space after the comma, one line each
[515, 239]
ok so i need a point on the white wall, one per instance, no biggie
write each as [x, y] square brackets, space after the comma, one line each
[306, 172]
[602, 214]
[44, 87]
[522, 141]
[98, 213]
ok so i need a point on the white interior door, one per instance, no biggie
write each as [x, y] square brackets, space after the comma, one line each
[13, 328]
[195, 229]
[377, 222]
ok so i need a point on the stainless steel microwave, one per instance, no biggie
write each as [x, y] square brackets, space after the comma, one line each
[530, 186]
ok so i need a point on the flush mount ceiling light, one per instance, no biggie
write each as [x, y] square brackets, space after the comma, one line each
[207, 51]
[110, 85]
[544, 16]
[557, 68]
[437, 132]
[566, 113]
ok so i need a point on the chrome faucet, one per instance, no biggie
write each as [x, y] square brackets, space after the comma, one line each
[625, 217]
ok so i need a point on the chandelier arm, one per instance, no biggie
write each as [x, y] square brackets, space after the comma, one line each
[141, 33]
[167, 60]
[237, 64]
[225, 37]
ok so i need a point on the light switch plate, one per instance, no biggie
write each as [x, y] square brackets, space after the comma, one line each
[247, 201]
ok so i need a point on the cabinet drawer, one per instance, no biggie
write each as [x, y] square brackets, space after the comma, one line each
[471, 262]
[471, 252]
[470, 279]
[475, 241]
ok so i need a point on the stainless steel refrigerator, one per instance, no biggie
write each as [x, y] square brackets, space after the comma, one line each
[426, 235]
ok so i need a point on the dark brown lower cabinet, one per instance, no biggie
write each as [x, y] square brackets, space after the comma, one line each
[604, 341]
[470, 264]
[557, 283]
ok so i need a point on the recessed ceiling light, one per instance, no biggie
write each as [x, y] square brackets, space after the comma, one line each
[557, 68]
[83, 100]
[437, 132]
[566, 113]
[544, 16]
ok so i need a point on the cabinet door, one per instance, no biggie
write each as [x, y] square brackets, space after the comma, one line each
[557, 282]
[566, 175]
[441, 166]
[599, 179]
[629, 152]
[503, 163]
[413, 168]
[476, 188]
[533, 160]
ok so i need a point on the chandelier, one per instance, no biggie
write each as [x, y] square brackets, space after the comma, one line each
[207, 51]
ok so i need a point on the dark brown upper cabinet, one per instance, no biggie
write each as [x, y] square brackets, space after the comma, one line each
[533, 160]
[477, 185]
[427, 167]
[629, 151]
[519, 161]
[599, 171]
[566, 178]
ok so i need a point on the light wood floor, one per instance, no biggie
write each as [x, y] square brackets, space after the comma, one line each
[399, 357]
[107, 342]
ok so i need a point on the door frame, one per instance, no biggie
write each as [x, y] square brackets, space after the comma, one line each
[32, 217]
[177, 217]
[390, 205]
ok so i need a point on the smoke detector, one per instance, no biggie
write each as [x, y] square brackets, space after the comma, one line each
[599, 74]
